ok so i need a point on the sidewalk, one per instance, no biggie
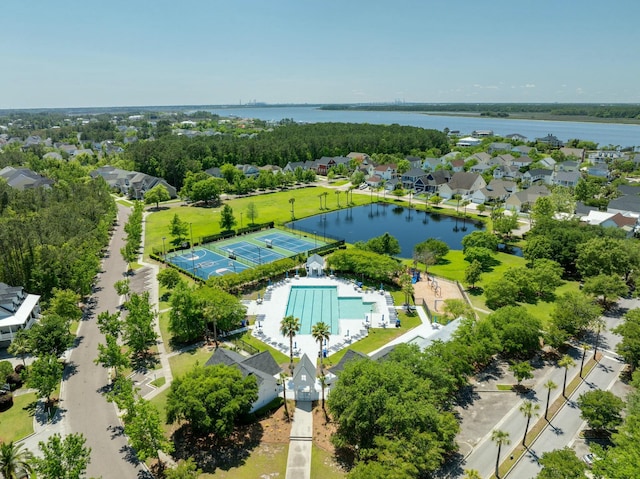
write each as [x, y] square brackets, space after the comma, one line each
[300, 442]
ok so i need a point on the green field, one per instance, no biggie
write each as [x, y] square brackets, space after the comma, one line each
[270, 207]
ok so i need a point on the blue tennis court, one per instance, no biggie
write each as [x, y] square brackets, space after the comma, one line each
[290, 242]
[205, 264]
[254, 253]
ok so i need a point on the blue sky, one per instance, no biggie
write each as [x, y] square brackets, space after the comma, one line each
[156, 52]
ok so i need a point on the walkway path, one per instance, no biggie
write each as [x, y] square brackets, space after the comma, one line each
[300, 442]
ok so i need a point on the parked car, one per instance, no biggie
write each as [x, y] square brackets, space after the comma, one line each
[589, 459]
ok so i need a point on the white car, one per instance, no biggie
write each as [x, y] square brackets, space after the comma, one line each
[589, 459]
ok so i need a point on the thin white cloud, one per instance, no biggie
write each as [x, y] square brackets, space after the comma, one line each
[529, 85]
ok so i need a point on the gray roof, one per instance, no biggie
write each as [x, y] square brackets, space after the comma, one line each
[463, 180]
[23, 178]
[261, 365]
[349, 356]
[625, 203]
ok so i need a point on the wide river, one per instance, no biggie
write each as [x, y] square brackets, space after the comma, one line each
[602, 133]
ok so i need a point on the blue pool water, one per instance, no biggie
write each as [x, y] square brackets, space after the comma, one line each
[314, 304]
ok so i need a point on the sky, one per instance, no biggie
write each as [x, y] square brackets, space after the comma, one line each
[79, 53]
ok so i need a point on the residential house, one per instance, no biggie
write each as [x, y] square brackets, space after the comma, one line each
[551, 140]
[24, 178]
[568, 166]
[430, 164]
[374, 181]
[548, 162]
[507, 172]
[523, 149]
[462, 183]
[567, 178]
[386, 172]
[481, 133]
[498, 146]
[414, 161]
[131, 183]
[538, 175]
[350, 355]
[523, 200]
[495, 191]
[480, 168]
[516, 137]
[214, 171]
[53, 155]
[390, 185]
[482, 157]
[468, 141]
[502, 160]
[628, 205]
[410, 177]
[457, 165]
[432, 181]
[262, 366]
[18, 310]
[249, 171]
[522, 162]
[577, 153]
[604, 156]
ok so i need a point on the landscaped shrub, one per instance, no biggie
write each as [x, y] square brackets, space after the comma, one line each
[19, 368]
[15, 381]
[6, 401]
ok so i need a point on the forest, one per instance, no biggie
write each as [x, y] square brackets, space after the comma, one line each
[171, 156]
[52, 237]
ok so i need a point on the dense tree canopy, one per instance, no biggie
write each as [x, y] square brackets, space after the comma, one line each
[371, 265]
[211, 398]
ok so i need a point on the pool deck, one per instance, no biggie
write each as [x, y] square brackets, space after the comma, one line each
[270, 312]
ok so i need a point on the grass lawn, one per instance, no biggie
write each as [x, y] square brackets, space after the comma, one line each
[377, 338]
[184, 362]
[17, 422]
[267, 460]
[270, 206]
[323, 465]
[260, 346]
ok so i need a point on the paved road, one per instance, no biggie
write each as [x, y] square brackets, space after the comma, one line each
[567, 423]
[483, 457]
[86, 410]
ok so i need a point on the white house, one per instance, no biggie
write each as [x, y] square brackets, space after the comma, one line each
[261, 365]
[315, 265]
[462, 183]
[468, 141]
[18, 310]
[304, 380]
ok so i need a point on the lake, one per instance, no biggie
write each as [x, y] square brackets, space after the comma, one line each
[601, 133]
[409, 226]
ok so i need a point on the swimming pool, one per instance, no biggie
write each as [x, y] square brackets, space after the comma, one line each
[313, 304]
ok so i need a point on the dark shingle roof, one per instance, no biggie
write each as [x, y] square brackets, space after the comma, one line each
[349, 356]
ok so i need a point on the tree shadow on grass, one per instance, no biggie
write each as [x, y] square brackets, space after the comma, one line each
[211, 452]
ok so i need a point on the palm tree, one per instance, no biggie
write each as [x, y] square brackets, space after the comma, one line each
[500, 438]
[321, 332]
[549, 385]
[566, 362]
[600, 326]
[471, 474]
[283, 382]
[338, 197]
[585, 346]
[323, 384]
[15, 461]
[20, 346]
[289, 326]
[529, 409]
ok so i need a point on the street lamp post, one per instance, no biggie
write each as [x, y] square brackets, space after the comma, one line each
[241, 219]
[164, 251]
[191, 231]
[259, 255]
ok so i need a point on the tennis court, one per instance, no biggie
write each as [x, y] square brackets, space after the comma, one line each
[252, 252]
[290, 242]
[205, 264]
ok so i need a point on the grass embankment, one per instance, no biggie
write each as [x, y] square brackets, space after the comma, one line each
[270, 207]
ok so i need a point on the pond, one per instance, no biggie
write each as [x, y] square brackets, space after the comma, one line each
[409, 226]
